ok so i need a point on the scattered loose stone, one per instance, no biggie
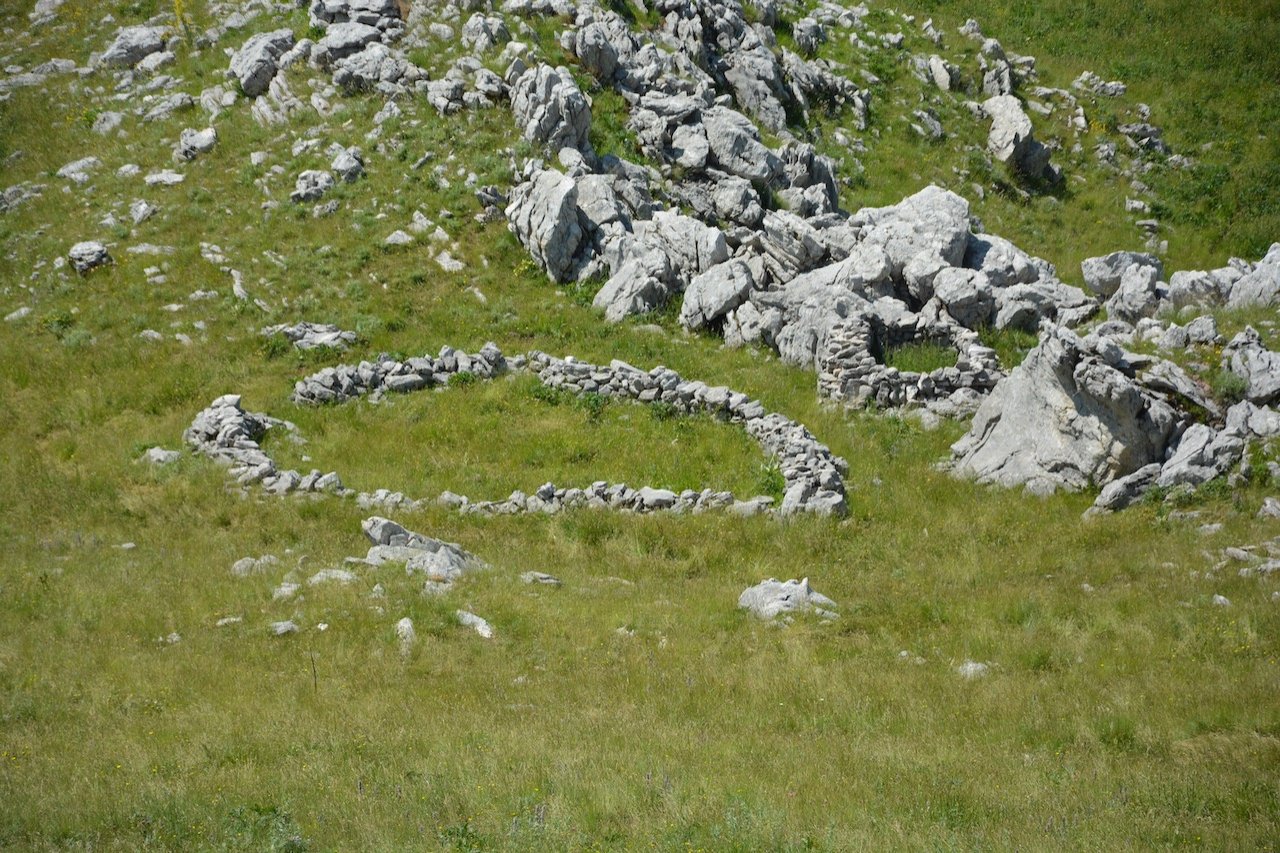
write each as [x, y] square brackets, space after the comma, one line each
[471, 620]
[405, 635]
[246, 566]
[311, 185]
[772, 598]
[280, 629]
[160, 456]
[193, 143]
[88, 256]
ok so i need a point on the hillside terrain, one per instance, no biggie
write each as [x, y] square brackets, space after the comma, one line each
[412, 406]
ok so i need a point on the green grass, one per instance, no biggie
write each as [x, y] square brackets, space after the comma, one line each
[1133, 716]
[920, 357]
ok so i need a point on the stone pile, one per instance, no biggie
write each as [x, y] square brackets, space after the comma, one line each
[308, 336]
[231, 436]
[813, 476]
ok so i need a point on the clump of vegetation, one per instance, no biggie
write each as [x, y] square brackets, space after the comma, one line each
[920, 357]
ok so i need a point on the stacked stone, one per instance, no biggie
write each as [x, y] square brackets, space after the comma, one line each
[849, 371]
[346, 381]
[813, 475]
[227, 433]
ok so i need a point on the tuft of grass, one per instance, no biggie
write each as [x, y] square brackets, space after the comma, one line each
[920, 357]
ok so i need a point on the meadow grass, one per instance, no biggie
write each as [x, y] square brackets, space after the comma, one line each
[632, 708]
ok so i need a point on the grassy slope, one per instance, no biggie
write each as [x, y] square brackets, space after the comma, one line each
[1133, 716]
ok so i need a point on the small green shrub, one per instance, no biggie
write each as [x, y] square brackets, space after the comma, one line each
[594, 405]
[661, 410]
[275, 346]
[769, 480]
[1229, 387]
[57, 323]
[463, 379]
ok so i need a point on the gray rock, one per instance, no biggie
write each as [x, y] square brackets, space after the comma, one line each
[482, 34]
[1199, 288]
[543, 214]
[1203, 331]
[1125, 491]
[641, 284]
[735, 145]
[474, 622]
[311, 185]
[405, 635]
[164, 178]
[338, 576]
[107, 121]
[193, 143]
[1102, 275]
[945, 75]
[692, 246]
[1261, 287]
[246, 566]
[933, 221]
[651, 498]
[88, 255]
[343, 40]
[160, 456]
[967, 296]
[255, 64]
[168, 106]
[133, 44]
[1249, 421]
[772, 598]
[713, 294]
[349, 164]
[1137, 296]
[1201, 455]
[79, 171]
[1246, 357]
[550, 109]
[1012, 138]
[1063, 419]
[280, 629]
[308, 336]
[1001, 261]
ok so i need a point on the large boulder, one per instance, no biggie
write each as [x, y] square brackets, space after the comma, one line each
[756, 78]
[1136, 297]
[967, 296]
[692, 246]
[1202, 454]
[543, 214]
[343, 40]
[1259, 367]
[934, 221]
[1102, 275]
[134, 44]
[735, 145]
[714, 293]
[256, 62]
[1261, 287]
[641, 284]
[550, 109]
[1012, 139]
[1064, 419]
